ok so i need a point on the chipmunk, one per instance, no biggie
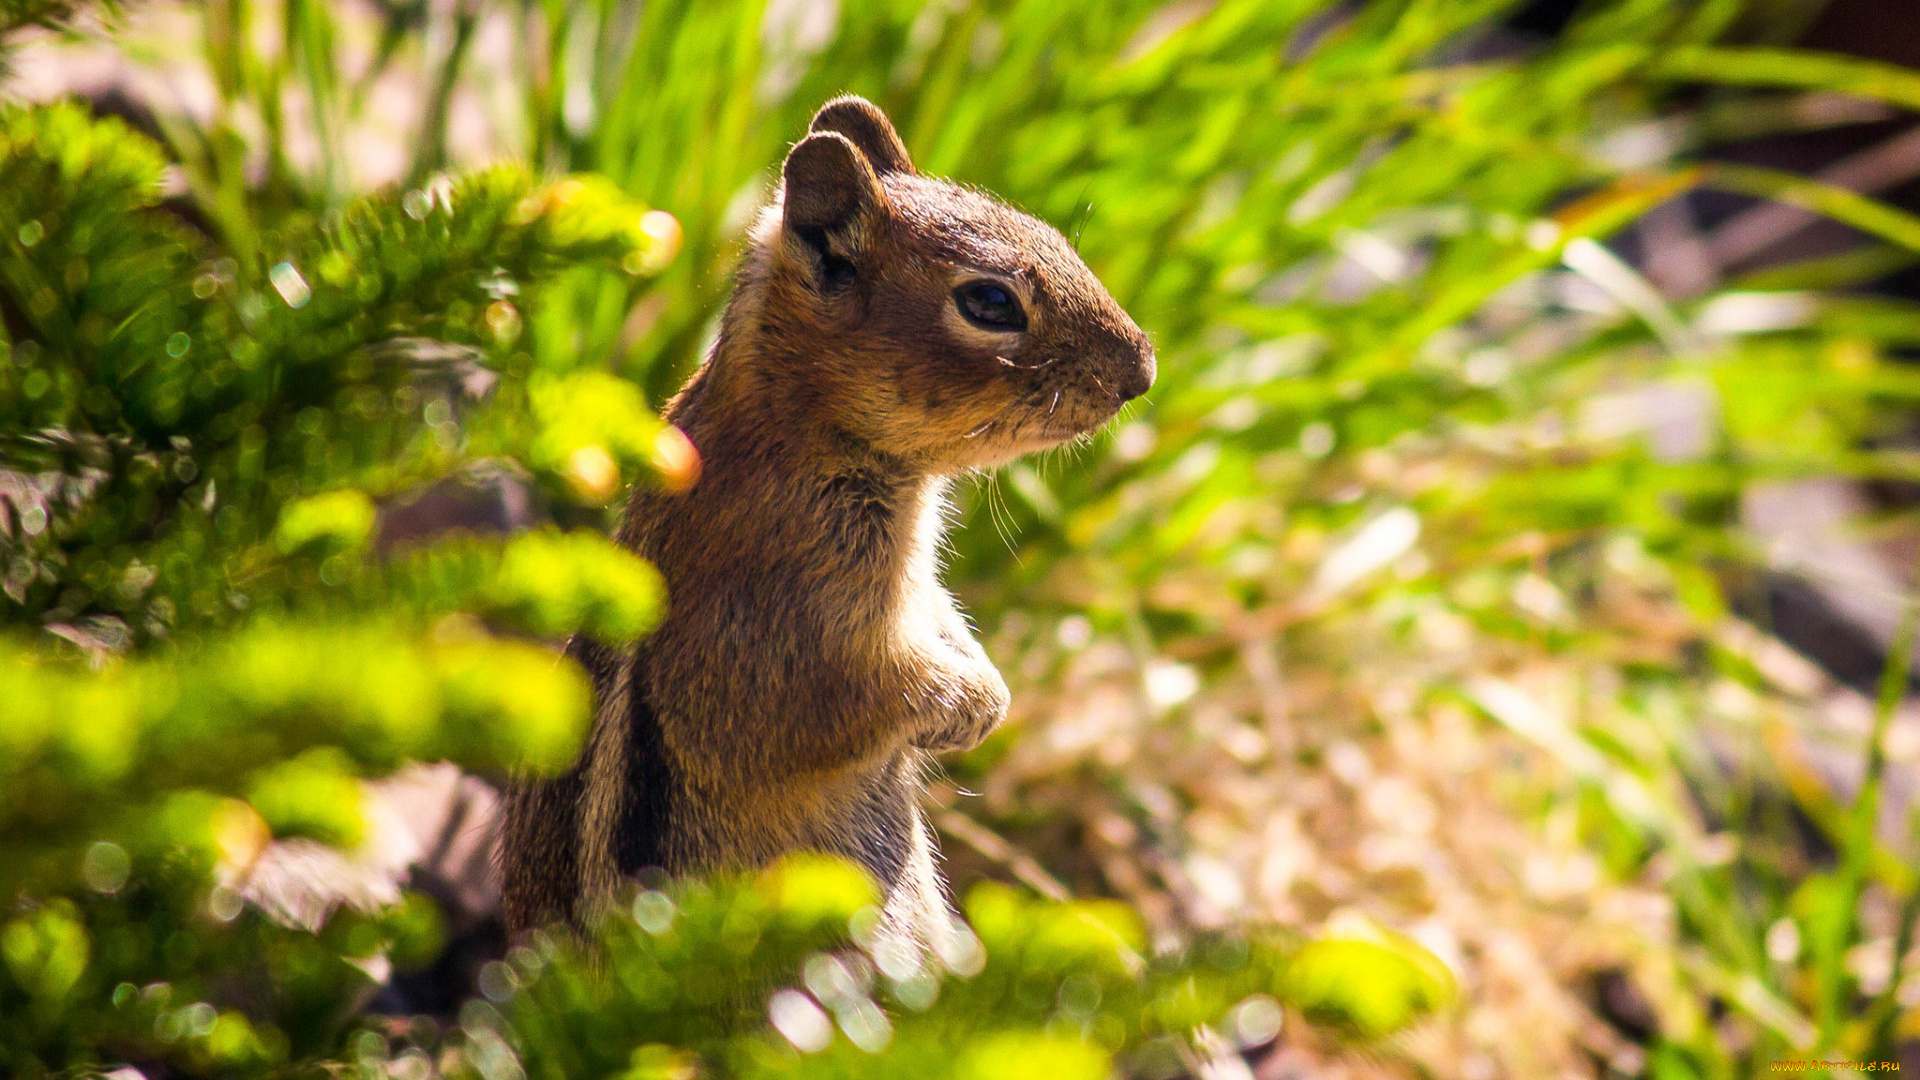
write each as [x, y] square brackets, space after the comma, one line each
[887, 331]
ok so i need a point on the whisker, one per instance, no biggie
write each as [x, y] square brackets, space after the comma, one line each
[997, 510]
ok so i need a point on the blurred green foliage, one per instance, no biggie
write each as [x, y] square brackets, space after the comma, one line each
[1044, 990]
[1369, 242]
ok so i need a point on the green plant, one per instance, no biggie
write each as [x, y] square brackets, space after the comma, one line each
[191, 444]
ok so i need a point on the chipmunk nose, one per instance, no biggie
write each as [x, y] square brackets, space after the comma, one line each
[1138, 378]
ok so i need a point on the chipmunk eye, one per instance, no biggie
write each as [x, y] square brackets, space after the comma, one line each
[990, 305]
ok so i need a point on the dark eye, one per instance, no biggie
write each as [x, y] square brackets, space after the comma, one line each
[990, 305]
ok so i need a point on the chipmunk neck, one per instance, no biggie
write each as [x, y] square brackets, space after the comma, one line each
[783, 489]
[757, 420]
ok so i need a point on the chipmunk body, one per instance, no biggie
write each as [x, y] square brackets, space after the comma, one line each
[886, 332]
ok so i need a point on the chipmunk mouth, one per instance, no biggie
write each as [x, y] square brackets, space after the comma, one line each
[1047, 419]
[1049, 412]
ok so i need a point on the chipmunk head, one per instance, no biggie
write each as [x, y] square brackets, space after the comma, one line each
[935, 322]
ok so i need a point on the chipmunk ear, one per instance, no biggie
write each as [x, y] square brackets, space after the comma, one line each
[866, 127]
[830, 197]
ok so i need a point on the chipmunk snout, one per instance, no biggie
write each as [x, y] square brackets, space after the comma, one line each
[1133, 363]
[1139, 377]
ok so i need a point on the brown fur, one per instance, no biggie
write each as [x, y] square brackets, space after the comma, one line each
[810, 658]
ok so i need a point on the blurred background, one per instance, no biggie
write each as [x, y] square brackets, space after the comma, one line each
[1513, 568]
